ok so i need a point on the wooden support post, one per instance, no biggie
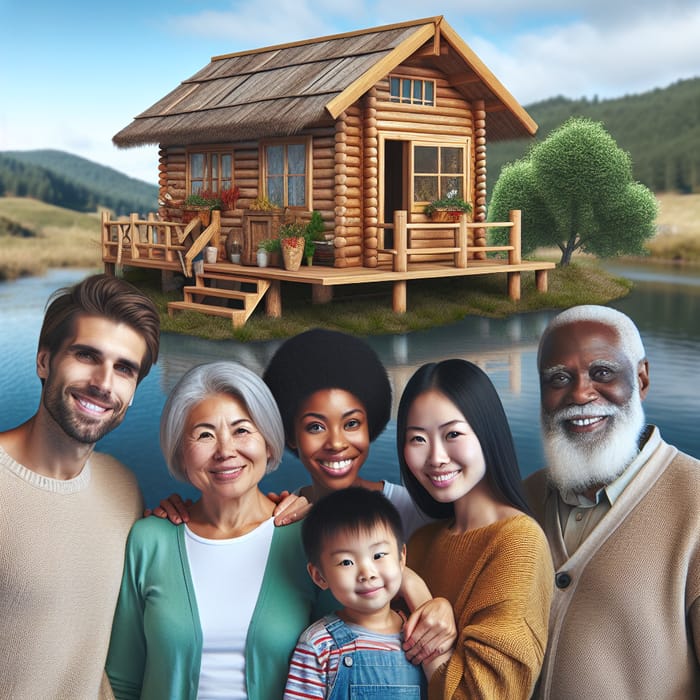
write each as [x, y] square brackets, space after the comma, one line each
[104, 228]
[110, 269]
[400, 244]
[134, 234]
[399, 297]
[541, 280]
[514, 285]
[514, 256]
[273, 300]
[216, 223]
[461, 256]
[321, 294]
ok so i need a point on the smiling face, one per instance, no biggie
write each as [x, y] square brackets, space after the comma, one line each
[362, 569]
[591, 404]
[223, 453]
[332, 438]
[90, 380]
[441, 450]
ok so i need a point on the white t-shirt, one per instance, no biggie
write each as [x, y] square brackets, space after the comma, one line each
[227, 577]
[412, 516]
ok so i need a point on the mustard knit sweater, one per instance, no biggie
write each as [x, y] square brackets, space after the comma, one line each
[499, 581]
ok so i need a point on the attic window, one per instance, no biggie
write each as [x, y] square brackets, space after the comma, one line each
[412, 91]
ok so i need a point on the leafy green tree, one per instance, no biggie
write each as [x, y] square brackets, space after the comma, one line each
[576, 192]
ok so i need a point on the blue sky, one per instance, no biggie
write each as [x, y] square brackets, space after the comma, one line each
[74, 74]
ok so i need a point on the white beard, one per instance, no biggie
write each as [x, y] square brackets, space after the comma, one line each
[579, 461]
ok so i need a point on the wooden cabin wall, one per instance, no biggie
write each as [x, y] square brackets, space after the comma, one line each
[451, 116]
[371, 180]
[246, 171]
[349, 232]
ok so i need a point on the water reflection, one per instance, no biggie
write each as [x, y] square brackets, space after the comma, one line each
[665, 307]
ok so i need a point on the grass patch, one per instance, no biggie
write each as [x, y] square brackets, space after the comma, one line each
[366, 310]
[59, 238]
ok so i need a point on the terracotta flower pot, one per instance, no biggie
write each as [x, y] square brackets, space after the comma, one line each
[292, 253]
[442, 215]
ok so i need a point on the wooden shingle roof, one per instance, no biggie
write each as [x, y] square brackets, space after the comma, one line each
[280, 90]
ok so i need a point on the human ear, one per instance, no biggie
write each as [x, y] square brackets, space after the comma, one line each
[402, 556]
[317, 576]
[643, 378]
[43, 361]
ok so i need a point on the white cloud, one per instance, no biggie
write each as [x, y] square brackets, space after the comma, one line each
[583, 59]
[538, 49]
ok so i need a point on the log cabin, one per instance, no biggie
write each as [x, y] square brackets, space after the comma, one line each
[365, 127]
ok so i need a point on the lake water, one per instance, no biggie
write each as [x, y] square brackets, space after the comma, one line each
[665, 304]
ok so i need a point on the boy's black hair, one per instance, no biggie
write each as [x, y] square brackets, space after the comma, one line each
[354, 508]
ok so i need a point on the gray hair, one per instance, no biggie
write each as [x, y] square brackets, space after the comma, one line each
[213, 378]
[627, 332]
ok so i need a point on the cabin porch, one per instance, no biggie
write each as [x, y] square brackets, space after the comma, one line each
[234, 290]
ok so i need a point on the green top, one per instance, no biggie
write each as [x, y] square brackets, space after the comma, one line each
[156, 645]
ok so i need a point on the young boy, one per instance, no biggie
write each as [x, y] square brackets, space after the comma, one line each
[354, 543]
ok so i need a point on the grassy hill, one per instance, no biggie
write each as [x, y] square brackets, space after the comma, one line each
[69, 181]
[660, 129]
[35, 236]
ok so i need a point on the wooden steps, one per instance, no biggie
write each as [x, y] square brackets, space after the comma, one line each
[236, 304]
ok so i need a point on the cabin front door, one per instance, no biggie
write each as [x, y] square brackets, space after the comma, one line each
[395, 184]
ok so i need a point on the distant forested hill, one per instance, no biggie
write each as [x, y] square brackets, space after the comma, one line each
[660, 129]
[72, 182]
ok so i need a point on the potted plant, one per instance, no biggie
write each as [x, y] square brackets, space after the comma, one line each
[200, 204]
[261, 203]
[292, 238]
[448, 208]
[229, 197]
[271, 247]
[313, 234]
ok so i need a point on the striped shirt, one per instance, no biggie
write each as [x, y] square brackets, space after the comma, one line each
[315, 659]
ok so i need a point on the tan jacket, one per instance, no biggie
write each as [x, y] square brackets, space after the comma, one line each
[625, 603]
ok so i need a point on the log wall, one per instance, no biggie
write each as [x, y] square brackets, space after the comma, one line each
[173, 189]
[349, 243]
[452, 116]
[345, 184]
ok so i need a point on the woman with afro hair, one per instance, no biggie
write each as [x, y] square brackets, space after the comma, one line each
[335, 399]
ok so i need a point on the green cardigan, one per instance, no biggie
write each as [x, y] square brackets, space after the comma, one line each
[156, 645]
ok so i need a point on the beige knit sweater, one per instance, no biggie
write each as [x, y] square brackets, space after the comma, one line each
[624, 626]
[499, 581]
[61, 557]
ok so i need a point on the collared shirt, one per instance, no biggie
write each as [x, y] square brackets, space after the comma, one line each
[579, 514]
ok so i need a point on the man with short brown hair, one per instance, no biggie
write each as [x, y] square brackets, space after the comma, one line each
[66, 510]
[621, 510]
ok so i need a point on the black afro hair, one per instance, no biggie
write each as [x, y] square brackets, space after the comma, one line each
[320, 359]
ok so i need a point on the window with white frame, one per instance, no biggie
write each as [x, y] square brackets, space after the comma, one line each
[412, 91]
[286, 169]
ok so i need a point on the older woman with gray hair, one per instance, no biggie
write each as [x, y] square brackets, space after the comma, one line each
[214, 607]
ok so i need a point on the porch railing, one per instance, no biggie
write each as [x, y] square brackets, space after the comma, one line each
[404, 249]
[153, 240]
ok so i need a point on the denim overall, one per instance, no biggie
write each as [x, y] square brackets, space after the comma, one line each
[371, 674]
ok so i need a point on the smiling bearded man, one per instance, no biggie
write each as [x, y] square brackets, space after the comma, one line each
[621, 511]
[66, 509]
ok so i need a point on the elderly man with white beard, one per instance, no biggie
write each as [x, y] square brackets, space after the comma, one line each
[621, 510]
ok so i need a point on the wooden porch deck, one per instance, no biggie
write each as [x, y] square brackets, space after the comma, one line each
[232, 290]
[322, 279]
